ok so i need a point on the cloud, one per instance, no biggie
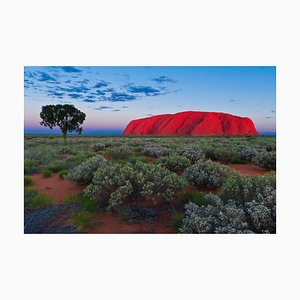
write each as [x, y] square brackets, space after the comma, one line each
[164, 79]
[55, 94]
[121, 97]
[101, 84]
[103, 107]
[69, 69]
[74, 96]
[232, 100]
[146, 90]
[84, 81]
[45, 77]
[89, 100]
[116, 110]
[124, 106]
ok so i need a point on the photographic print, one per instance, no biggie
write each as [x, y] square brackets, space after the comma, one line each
[161, 150]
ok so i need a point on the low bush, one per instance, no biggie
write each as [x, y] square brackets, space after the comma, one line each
[98, 147]
[207, 174]
[247, 153]
[33, 199]
[46, 173]
[266, 160]
[220, 218]
[82, 221]
[176, 221]
[198, 198]
[115, 183]
[85, 203]
[63, 173]
[55, 168]
[174, 163]
[122, 152]
[27, 181]
[193, 154]
[84, 173]
[155, 151]
[223, 154]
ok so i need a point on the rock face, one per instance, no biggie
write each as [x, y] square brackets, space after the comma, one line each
[192, 123]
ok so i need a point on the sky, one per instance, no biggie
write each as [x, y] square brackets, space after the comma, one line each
[113, 96]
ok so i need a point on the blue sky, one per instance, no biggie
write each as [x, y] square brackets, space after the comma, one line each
[113, 96]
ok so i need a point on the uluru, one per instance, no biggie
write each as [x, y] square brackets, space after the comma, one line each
[194, 123]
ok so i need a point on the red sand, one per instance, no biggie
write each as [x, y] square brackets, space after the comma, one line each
[192, 123]
[248, 169]
[53, 186]
[112, 223]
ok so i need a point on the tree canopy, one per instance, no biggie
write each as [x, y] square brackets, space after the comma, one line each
[67, 117]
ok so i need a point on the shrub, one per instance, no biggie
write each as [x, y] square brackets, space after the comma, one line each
[198, 198]
[27, 181]
[257, 195]
[55, 168]
[98, 147]
[174, 163]
[82, 221]
[46, 173]
[157, 152]
[84, 173]
[115, 183]
[86, 203]
[247, 153]
[122, 152]
[266, 160]
[63, 173]
[208, 174]
[221, 218]
[176, 221]
[223, 154]
[192, 154]
[33, 199]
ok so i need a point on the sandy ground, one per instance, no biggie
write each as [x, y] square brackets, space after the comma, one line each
[248, 169]
[53, 186]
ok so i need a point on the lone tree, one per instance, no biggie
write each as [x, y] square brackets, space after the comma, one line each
[67, 117]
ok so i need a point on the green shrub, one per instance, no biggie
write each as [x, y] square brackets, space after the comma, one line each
[63, 173]
[176, 221]
[193, 154]
[55, 168]
[98, 147]
[221, 218]
[86, 203]
[122, 152]
[156, 151]
[84, 173]
[135, 159]
[207, 174]
[266, 160]
[33, 199]
[246, 205]
[174, 163]
[82, 221]
[115, 183]
[242, 188]
[198, 198]
[46, 173]
[223, 154]
[27, 181]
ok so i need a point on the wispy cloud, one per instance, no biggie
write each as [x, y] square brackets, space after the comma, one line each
[70, 69]
[164, 79]
[103, 107]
